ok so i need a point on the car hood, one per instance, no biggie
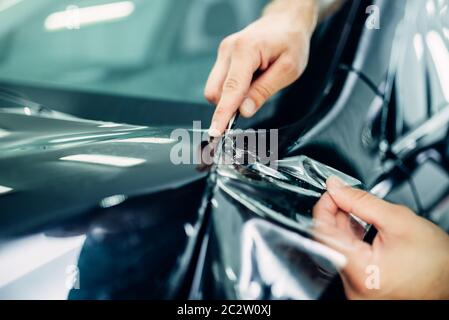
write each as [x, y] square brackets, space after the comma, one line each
[55, 167]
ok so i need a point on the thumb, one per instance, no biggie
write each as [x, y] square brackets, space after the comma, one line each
[365, 206]
[283, 72]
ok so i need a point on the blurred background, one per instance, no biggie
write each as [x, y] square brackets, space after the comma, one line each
[161, 49]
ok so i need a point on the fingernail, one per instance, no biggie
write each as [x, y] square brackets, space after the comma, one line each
[248, 107]
[213, 130]
[334, 184]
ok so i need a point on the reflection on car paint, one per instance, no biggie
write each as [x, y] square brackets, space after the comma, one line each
[281, 264]
[27, 262]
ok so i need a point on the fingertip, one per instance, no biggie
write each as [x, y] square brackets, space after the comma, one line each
[214, 130]
[211, 94]
[248, 108]
[219, 122]
[328, 203]
[334, 184]
[209, 98]
[323, 201]
[211, 101]
[325, 209]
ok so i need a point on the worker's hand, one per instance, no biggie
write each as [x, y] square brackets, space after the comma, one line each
[276, 46]
[409, 258]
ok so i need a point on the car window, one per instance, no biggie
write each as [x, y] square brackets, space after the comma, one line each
[160, 49]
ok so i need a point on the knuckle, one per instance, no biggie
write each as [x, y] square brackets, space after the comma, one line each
[252, 45]
[245, 46]
[361, 198]
[403, 211]
[245, 43]
[225, 44]
[240, 43]
[291, 66]
[231, 85]
[263, 91]
[220, 113]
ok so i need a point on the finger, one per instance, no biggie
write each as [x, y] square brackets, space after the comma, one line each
[243, 65]
[340, 240]
[344, 223]
[217, 76]
[363, 205]
[356, 252]
[279, 75]
[328, 221]
[328, 218]
[325, 210]
[340, 237]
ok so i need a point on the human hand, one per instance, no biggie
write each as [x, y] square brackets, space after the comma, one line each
[409, 255]
[276, 46]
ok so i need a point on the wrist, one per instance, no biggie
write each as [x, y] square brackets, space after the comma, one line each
[302, 14]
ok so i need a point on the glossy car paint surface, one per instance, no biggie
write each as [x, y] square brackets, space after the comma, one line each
[111, 185]
[100, 208]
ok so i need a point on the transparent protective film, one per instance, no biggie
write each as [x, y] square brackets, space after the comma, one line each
[265, 241]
